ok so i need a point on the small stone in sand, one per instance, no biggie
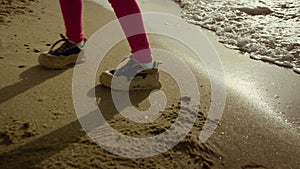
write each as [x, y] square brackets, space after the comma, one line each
[48, 44]
[21, 66]
[1, 57]
[35, 50]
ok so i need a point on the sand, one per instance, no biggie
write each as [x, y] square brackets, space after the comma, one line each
[39, 127]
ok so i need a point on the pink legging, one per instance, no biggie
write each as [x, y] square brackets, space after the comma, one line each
[72, 11]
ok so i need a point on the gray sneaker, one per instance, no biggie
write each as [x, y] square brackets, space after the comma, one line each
[132, 76]
[61, 57]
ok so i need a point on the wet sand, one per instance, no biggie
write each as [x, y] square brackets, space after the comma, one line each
[259, 128]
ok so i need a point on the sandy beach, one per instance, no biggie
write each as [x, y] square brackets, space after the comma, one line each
[259, 129]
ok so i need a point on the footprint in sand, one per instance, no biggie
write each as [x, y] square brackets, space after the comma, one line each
[256, 11]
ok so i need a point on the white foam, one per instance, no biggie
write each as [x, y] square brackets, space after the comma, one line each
[268, 30]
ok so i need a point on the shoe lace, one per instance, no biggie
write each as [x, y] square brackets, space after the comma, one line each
[129, 65]
[64, 47]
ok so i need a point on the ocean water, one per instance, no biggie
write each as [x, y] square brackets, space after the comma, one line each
[267, 30]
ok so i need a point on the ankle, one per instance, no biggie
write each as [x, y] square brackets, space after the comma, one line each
[149, 65]
[78, 44]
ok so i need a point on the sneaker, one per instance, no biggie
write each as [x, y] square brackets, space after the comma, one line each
[132, 76]
[61, 57]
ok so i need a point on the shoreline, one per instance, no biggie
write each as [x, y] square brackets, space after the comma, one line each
[264, 30]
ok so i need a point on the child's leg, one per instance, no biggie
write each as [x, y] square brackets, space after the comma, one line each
[139, 44]
[72, 11]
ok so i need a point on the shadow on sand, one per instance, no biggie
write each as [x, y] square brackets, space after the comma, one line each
[30, 78]
[42, 148]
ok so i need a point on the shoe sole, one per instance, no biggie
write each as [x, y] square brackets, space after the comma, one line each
[54, 62]
[150, 82]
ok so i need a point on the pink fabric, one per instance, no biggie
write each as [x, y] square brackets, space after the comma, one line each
[72, 11]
